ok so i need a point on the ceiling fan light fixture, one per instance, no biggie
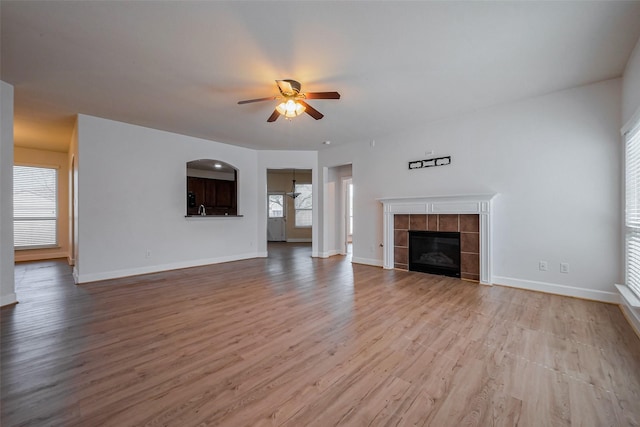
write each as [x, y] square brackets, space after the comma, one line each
[290, 108]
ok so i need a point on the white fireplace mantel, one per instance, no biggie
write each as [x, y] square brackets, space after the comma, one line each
[479, 204]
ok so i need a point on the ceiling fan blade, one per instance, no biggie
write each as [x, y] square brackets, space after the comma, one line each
[274, 116]
[248, 101]
[311, 111]
[322, 95]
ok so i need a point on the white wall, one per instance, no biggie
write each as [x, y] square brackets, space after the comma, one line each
[7, 287]
[273, 159]
[132, 201]
[32, 157]
[555, 162]
[631, 85]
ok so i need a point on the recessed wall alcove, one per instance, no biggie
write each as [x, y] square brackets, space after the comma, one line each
[462, 209]
[212, 188]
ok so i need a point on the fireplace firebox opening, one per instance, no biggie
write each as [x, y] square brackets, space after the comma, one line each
[435, 252]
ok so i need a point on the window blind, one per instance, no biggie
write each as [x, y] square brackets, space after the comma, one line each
[632, 209]
[35, 204]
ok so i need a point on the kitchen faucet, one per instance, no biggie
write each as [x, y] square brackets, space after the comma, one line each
[202, 211]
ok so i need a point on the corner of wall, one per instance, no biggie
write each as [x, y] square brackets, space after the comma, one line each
[7, 279]
[631, 85]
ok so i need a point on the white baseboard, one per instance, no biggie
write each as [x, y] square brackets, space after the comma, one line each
[301, 240]
[328, 254]
[553, 288]
[8, 299]
[367, 261]
[115, 274]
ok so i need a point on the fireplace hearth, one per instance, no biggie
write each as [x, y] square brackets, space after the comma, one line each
[435, 252]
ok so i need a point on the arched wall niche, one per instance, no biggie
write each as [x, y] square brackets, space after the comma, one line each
[212, 188]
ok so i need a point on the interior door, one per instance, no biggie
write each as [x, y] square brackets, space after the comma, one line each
[276, 220]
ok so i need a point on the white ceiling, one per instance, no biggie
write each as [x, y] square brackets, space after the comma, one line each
[182, 66]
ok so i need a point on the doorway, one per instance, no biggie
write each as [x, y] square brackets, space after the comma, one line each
[339, 210]
[289, 205]
[347, 191]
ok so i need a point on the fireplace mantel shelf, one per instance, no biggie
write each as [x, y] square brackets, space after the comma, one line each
[479, 204]
[457, 197]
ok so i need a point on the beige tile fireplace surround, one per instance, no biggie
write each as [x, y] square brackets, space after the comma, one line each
[468, 214]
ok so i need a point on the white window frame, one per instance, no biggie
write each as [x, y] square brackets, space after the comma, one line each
[296, 208]
[631, 137]
[55, 218]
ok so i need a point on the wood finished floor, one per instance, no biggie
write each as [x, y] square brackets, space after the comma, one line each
[296, 341]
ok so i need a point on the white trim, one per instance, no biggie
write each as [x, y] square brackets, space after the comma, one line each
[554, 288]
[479, 204]
[430, 199]
[367, 261]
[299, 240]
[628, 296]
[94, 277]
[632, 316]
[330, 253]
[8, 299]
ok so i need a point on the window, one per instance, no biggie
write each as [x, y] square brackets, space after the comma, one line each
[632, 208]
[276, 205]
[303, 205]
[35, 202]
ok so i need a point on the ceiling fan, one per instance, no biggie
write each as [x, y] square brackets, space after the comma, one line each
[293, 101]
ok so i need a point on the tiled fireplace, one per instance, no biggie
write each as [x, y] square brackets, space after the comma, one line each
[468, 214]
[467, 224]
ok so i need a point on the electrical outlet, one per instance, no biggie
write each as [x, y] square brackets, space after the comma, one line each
[543, 266]
[564, 267]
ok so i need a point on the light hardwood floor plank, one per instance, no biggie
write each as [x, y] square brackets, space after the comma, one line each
[294, 341]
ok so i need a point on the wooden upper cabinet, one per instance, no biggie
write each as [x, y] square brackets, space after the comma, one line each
[218, 196]
[225, 194]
